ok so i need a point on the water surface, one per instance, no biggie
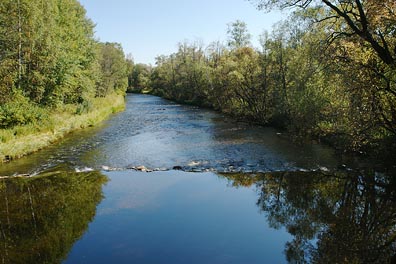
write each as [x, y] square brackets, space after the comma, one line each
[158, 133]
[177, 217]
[180, 217]
[258, 197]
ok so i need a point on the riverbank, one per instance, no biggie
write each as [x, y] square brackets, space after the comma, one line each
[379, 149]
[23, 140]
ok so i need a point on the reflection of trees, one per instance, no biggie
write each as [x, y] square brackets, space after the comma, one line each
[41, 217]
[337, 218]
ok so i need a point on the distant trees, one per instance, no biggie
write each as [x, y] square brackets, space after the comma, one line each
[238, 35]
[139, 78]
[49, 58]
[182, 76]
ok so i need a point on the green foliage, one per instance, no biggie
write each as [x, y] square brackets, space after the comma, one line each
[49, 58]
[21, 140]
[139, 78]
[84, 107]
[238, 35]
[360, 50]
[183, 75]
[114, 69]
[336, 87]
[20, 112]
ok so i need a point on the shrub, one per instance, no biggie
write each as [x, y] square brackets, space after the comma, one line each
[20, 112]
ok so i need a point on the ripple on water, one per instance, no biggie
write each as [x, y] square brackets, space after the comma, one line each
[158, 133]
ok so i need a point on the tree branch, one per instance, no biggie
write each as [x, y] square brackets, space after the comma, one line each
[364, 33]
[335, 35]
[343, 15]
[324, 19]
[363, 18]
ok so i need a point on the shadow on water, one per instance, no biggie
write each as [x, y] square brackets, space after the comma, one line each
[42, 217]
[340, 217]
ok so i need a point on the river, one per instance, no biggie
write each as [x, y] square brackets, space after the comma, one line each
[220, 191]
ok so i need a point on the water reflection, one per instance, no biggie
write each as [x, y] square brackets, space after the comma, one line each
[42, 217]
[177, 217]
[341, 217]
[334, 218]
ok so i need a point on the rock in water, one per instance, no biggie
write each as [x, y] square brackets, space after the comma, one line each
[85, 169]
[141, 168]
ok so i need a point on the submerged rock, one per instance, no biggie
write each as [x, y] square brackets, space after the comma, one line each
[324, 169]
[160, 169]
[142, 168]
[85, 169]
[108, 168]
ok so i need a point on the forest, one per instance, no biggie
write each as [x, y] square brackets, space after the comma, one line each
[54, 75]
[328, 72]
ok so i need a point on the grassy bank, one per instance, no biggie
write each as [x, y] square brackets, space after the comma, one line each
[23, 140]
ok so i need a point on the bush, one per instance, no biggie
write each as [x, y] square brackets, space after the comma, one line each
[84, 107]
[20, 112]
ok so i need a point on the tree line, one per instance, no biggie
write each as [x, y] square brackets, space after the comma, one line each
[50, 59]
[329, 72]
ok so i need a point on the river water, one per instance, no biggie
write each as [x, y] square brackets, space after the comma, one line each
[220, 192]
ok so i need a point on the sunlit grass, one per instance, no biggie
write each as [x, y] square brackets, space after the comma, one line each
[22, 140]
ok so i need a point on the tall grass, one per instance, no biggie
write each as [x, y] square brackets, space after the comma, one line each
[23, 140]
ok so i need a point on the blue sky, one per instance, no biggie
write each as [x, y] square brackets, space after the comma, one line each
[148, 28]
